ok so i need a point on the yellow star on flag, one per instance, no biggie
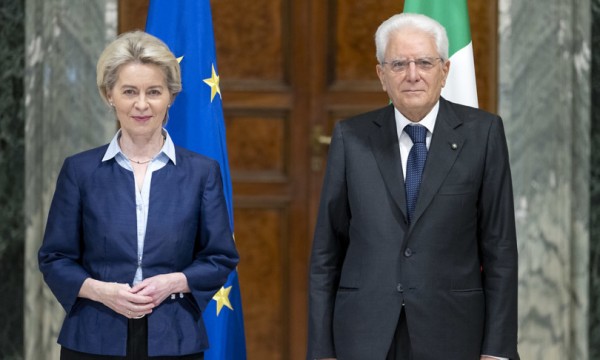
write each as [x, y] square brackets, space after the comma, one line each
[222, 299]
[213, 82]
[179, 59]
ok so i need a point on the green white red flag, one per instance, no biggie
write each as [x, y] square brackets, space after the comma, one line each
[460, 86]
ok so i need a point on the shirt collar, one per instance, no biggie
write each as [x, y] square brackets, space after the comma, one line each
[113, 148]
[428, 121]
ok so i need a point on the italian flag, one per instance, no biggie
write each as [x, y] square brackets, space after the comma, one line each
[454, 16]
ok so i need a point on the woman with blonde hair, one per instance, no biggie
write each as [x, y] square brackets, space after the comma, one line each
[138, 237]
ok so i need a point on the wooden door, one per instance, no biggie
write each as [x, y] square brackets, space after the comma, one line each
[289, 70]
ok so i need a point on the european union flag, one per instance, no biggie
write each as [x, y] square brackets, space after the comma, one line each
[196, 122]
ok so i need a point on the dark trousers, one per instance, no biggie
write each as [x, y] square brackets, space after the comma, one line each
[400, 348]
[137, 347]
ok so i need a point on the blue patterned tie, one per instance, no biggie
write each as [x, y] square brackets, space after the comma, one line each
[415, 165]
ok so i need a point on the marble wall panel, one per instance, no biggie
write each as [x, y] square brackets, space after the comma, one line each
[64, 115]
[12, 233]
[594, 315]
[544, 100]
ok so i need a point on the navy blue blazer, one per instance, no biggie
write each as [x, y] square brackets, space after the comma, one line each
[92, 232]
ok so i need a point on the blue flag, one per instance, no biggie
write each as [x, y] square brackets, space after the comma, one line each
[196, 123]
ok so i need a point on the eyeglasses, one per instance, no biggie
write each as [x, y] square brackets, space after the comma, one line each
[424, 63]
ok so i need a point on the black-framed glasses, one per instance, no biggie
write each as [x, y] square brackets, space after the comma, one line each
[401, 65]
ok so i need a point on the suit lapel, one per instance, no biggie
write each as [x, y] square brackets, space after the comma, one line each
[445, 146]
[385, 147]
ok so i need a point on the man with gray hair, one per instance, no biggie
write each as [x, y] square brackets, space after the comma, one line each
[414, 254]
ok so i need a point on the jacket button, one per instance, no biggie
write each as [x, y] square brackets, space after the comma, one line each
[408, 252]
[400, 288]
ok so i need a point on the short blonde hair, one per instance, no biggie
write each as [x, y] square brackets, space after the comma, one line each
[136, 47]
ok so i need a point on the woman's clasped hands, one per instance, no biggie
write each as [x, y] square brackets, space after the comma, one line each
[137, 301]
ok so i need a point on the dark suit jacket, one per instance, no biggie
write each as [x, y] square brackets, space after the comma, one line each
[454, 266]
[92, 232]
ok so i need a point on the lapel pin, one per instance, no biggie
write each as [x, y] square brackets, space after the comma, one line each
[454, 146]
